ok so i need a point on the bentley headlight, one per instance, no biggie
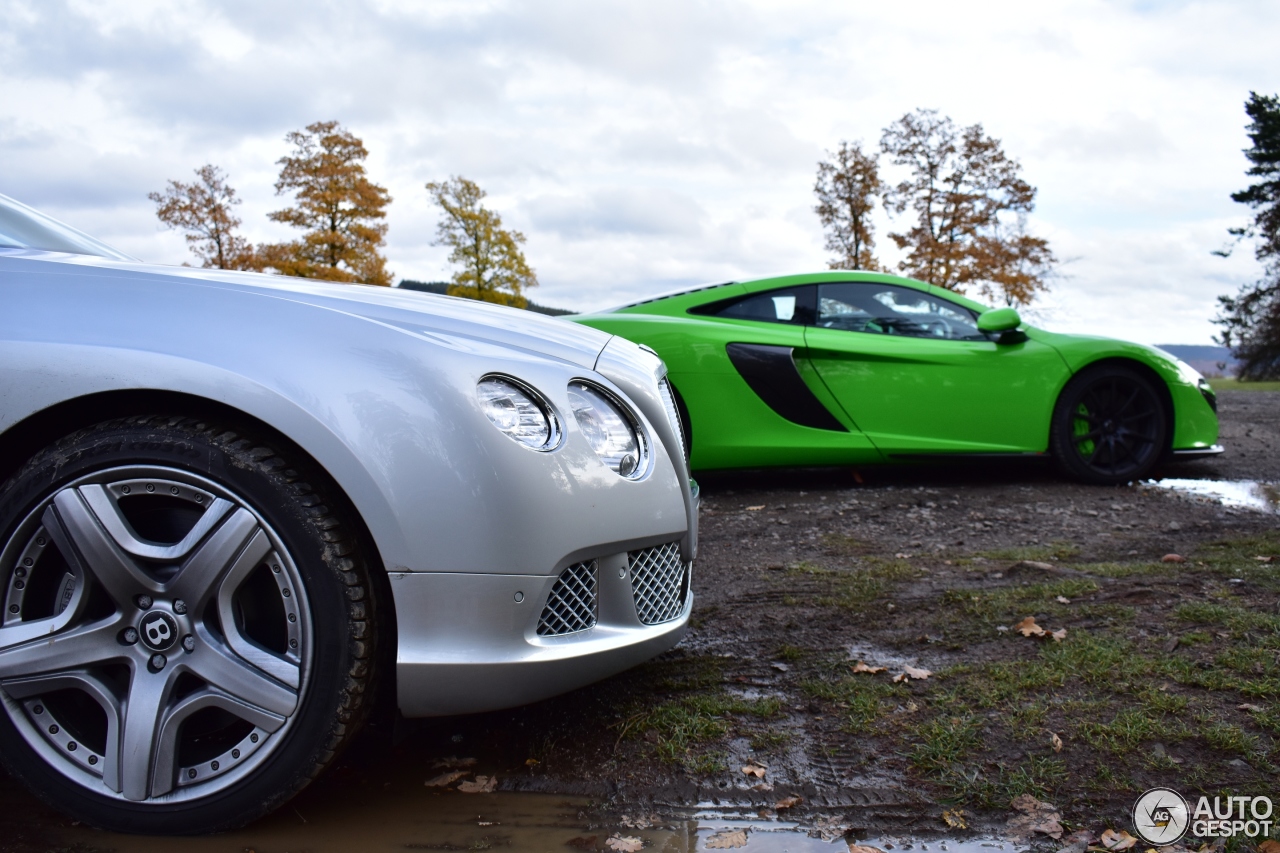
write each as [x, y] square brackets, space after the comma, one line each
[610, 429]
[519, 412]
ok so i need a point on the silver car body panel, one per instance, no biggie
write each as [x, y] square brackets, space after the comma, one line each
[378, 386]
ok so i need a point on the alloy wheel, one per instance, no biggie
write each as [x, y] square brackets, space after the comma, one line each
[1116, 426]
[156, 636]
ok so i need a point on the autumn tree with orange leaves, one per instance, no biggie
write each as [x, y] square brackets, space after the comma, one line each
[970, 205]
[203, 210]
[339, 210]
[848, 187]
[492, 267]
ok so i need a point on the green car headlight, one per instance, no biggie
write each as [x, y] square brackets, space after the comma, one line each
[611, 430]
[519, 412]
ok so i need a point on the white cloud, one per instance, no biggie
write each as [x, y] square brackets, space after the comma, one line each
[643, 145]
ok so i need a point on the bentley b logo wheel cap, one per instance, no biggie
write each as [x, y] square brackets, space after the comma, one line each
[159, 631]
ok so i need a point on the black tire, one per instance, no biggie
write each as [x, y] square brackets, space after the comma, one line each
[299, 519]
[1110, 425]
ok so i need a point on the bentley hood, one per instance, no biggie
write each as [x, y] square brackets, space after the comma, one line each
[449, 320]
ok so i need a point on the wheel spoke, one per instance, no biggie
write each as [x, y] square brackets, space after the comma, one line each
[222, 669]
[108, 512]
[166, 758]
[1144, 414]
[225, 550]
[1088, 436]
[84, 543]
[279, 668]
[86, 682]
[84, 645]
[143, 713]
[1129, 402]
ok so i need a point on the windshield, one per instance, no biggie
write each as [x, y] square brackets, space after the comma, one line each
[24, 228]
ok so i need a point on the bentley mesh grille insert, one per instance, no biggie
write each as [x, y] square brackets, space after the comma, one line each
[659, 582]
[571, 607]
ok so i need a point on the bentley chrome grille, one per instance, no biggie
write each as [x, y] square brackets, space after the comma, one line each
[571, 606]
[659, 582]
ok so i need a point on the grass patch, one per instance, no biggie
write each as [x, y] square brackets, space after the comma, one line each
[1038, 553]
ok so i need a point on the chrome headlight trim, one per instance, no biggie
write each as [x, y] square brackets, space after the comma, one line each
[601, 414]
[518, 420]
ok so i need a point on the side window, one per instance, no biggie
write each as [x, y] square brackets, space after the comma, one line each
[791, 305]
[886, 309]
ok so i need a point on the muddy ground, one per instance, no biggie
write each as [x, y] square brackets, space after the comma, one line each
[1168, 673]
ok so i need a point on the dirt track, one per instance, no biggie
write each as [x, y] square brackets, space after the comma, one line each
[801, 574]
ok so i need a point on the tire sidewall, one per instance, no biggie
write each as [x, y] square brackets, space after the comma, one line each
[265, 485]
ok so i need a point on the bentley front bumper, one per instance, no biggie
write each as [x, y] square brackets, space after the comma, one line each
[479, 642]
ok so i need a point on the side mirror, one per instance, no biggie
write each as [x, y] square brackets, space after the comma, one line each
[999, 320]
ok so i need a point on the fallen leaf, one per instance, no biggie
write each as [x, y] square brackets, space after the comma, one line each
[762, 786]
[863, 848]
[1171, 558]
[1055, 741]
[445, 779]
[1062, 599]
[913, 673]
[955, 819]
[1269, 846]
[453, 762]
[756, 508]
[1058, 635]
[862, 667]
[1117, 841]
[829, 828]
[753, 769]
[1036, 817]
[788, 802]
[531, 762]
[780, 667]
[727, 839]
[481, 785]
[1270, 559]
[623, 843]
[1028, 628]
[1032, 564]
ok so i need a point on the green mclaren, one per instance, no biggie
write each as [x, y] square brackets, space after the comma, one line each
[847, 368]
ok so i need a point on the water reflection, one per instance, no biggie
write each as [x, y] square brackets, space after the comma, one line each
[1245, 494]
[422, 819]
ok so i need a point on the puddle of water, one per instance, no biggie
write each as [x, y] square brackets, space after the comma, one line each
[372, 821]
[1245, 494]
[877, 656]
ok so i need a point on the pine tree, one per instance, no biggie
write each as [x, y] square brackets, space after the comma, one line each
[1250, 320]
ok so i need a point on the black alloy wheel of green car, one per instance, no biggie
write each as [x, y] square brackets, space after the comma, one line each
[1110, 425]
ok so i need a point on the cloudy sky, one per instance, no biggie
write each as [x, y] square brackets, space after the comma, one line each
[642, 146]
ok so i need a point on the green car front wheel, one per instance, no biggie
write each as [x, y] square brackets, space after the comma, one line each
[1110, 425]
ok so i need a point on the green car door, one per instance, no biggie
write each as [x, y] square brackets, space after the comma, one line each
[914, 373]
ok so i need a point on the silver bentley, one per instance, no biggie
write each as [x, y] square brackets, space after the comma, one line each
[233, 504]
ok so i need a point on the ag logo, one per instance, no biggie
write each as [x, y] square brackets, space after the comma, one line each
[1161, 816]
[158, 630]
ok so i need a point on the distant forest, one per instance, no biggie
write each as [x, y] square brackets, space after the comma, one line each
[442, 287]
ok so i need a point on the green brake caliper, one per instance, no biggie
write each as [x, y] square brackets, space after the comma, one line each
[1080, 426]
